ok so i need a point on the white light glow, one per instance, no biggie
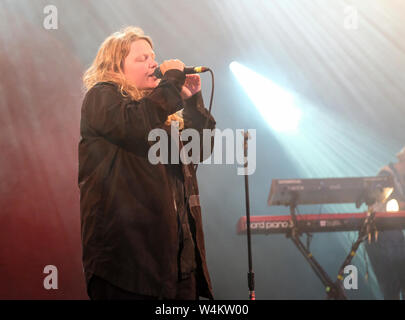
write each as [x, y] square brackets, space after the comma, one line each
[392, 206]
[276, 104]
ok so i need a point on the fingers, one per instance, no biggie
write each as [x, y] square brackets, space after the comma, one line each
[171, 64]
[193, 78]
[193, 83]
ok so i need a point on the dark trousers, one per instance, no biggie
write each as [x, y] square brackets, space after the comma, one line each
[100, 289]
[387, 256]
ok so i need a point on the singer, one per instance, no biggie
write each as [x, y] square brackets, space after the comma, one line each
[141, 225]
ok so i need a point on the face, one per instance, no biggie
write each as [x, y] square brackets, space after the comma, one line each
[140, 64]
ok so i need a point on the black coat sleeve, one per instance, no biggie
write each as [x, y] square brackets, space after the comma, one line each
[196, 116]
[125, 122]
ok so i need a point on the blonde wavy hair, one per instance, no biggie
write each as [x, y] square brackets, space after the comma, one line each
[108, 66]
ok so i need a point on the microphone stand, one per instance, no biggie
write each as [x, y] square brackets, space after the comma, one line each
[251, 275]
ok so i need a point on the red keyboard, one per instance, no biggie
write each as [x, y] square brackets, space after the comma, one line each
[336, 222]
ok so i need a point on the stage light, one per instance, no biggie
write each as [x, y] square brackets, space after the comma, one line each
[275, 104]
[392, 206]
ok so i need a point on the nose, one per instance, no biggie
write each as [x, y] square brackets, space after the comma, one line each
[154, 64]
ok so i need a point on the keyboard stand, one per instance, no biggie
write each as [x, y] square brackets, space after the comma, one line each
[335, 289]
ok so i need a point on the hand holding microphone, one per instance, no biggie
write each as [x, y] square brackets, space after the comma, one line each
[193, 81]
[176, 64]
[167, 65]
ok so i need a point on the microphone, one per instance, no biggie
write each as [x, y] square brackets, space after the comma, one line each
[187, 70]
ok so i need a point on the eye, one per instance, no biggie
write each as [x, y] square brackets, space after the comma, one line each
[142, 58]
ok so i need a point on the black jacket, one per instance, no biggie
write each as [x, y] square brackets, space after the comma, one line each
[128, 221]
